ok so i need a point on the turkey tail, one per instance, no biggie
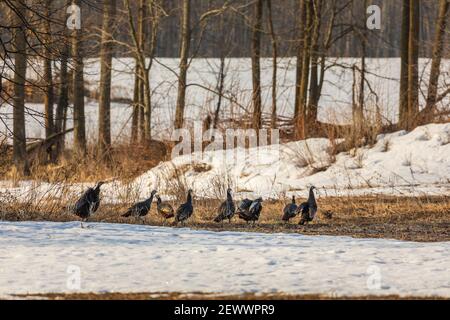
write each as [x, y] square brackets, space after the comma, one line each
[127, 214]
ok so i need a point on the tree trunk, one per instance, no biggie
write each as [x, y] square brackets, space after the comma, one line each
[63, 102]
[79, 121]
[154, 13]
[136, 106]
[20, 68]
[362, 80]
[256, 67]
[274, 65]
[184, 54]
[316, 16]
[48, 77]
[141, 108]
[142, 14]
[413, 58]
[220, 84]
[300, 49]
[404, 66]
[106, 55]
[441, 24]
[147, 107]
[301, 119]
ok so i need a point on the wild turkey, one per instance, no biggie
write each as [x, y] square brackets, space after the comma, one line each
[244, 206]
[253, 212]
[164, 209]
[226, 209]
[185, 210]
[290, 210]
[140, 209]
[308, 209]
[88, 203]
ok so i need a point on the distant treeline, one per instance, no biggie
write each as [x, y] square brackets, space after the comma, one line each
[232, 31]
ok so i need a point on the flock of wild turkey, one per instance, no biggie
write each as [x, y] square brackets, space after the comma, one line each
[247, 210]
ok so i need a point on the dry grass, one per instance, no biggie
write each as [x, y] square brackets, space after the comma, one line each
[405, 218]
[124, 162]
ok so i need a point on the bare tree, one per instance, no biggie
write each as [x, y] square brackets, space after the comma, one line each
[48, 77]
[18, 16]
[136, 106]
[432, 98]
[306, 60]
[300, 51]
[274, 42]
[63, 101]
[316, 16]
[79, 121]
[106, 55]
[142, 94]
[137, 123]
[404, 65]
[256, 64]
[140, 54]
[413, 59]
[358, 113]
[184, 54]
[221, 77]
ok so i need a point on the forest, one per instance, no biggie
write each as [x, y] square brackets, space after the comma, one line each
[37, 38]
[224, 149]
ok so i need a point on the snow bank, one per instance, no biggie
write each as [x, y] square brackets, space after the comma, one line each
[260, 170]
[404, 164]
[400, 163]
[43, 257]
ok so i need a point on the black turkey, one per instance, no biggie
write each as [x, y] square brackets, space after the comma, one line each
[308, 209]
[164, 209]
[226, 209]
[88, 203]
[244, 206]
[185, 210]
[140, 209]
[253, 212]
[290, 210]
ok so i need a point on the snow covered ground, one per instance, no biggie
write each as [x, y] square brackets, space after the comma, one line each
[44, 257]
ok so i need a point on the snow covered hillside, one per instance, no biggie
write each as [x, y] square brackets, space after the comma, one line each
[401, 163]
[44, 257]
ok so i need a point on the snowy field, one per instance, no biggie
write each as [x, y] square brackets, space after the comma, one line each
[46, 257]
[334, 107]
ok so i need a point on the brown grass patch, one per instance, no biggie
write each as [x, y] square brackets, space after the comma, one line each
[125, 161]
[424, 219]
